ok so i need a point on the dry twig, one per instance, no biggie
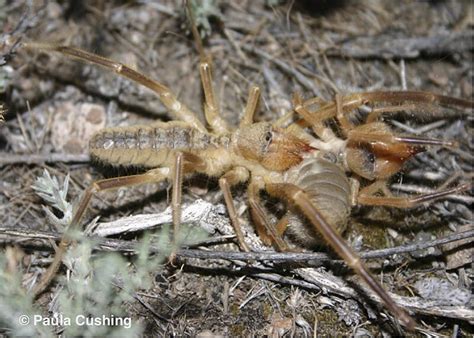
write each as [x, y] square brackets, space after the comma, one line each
[387, 46]
[6, 158]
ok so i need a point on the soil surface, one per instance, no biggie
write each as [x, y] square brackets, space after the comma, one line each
[316, 48]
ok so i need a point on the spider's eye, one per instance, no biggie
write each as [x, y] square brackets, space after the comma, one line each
[371, 157]
[268, 136]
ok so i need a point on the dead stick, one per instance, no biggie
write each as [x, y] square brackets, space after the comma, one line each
[7, 158]
[130, 246]
[388, 46]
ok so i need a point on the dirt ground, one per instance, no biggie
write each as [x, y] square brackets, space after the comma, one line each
[317, 48]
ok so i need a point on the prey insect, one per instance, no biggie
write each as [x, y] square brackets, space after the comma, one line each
[320, 173]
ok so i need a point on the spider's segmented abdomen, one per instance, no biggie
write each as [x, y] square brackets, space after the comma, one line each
[329, 189]
[149, 146]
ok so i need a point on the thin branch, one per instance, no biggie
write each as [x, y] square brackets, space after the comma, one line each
[423, 190]
[105, 244]
[387, 46]
[306, 257]
[7, 158]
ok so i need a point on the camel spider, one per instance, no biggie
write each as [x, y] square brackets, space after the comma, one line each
[318, 174]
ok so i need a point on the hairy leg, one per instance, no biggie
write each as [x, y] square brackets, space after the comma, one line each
[299, 198]
[375, 114]
[379, 132]
[412, 99]
[232, 178]
[211, 107]
[251, 107]
[168, 99]
[344, 122]
[315, 119]
[367, 196]
[176, 193]
[267, 232]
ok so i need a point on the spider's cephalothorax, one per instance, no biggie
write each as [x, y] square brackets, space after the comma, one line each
[272, 147]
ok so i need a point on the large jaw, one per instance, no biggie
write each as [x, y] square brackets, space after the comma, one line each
[285, 151]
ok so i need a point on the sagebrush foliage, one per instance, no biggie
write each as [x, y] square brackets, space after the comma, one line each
[97, 285]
